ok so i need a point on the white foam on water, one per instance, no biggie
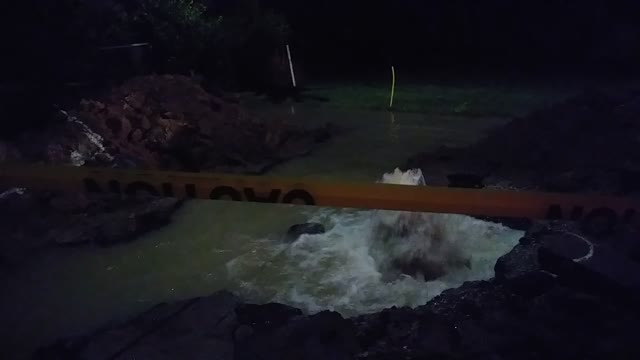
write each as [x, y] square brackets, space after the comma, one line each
[350, 268]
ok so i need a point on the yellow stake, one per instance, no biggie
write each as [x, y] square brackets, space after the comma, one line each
[393, 86]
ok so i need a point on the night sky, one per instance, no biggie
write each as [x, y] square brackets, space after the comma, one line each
[493, 33]
[54, 41]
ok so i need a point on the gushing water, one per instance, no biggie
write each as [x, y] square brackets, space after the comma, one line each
[371, 260]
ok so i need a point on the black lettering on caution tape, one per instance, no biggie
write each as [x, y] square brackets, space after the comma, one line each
[295, 196]
[190, 190]
[299, 195]
[140, 186]
[600, 221]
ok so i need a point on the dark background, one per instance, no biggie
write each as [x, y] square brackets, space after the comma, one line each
[353, 36]
[239, 45]
[488, 35]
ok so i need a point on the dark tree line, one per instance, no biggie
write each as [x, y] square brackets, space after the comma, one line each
[356, 34]
[64, 39]
[50, 45]
[239, 44]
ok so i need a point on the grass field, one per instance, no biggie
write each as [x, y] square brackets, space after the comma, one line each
[465, 100]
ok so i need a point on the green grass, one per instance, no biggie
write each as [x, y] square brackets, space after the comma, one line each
[441, 99]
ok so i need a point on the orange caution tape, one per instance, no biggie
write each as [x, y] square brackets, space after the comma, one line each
[492, 203]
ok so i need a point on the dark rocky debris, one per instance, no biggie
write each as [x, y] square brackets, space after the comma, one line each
[36, 221]
[536, 307]
[587, 144]
[295, 231]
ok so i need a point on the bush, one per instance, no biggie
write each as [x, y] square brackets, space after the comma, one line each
[53, 43]
[186, 36]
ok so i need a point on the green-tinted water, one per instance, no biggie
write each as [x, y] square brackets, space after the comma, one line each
[215, 245]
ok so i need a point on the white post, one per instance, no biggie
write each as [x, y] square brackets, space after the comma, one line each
[293, 76]
[393, 86]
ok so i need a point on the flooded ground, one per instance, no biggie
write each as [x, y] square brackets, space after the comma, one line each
[375, 142]
[216, 245]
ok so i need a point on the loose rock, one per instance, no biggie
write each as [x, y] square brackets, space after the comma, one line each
[298, 230]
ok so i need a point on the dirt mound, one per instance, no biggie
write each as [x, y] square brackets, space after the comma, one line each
[171, 122]
[167, 122]
[586, 144]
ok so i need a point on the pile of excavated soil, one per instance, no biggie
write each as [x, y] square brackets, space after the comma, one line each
[586, 144]
[171, 122]
[168, 122]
